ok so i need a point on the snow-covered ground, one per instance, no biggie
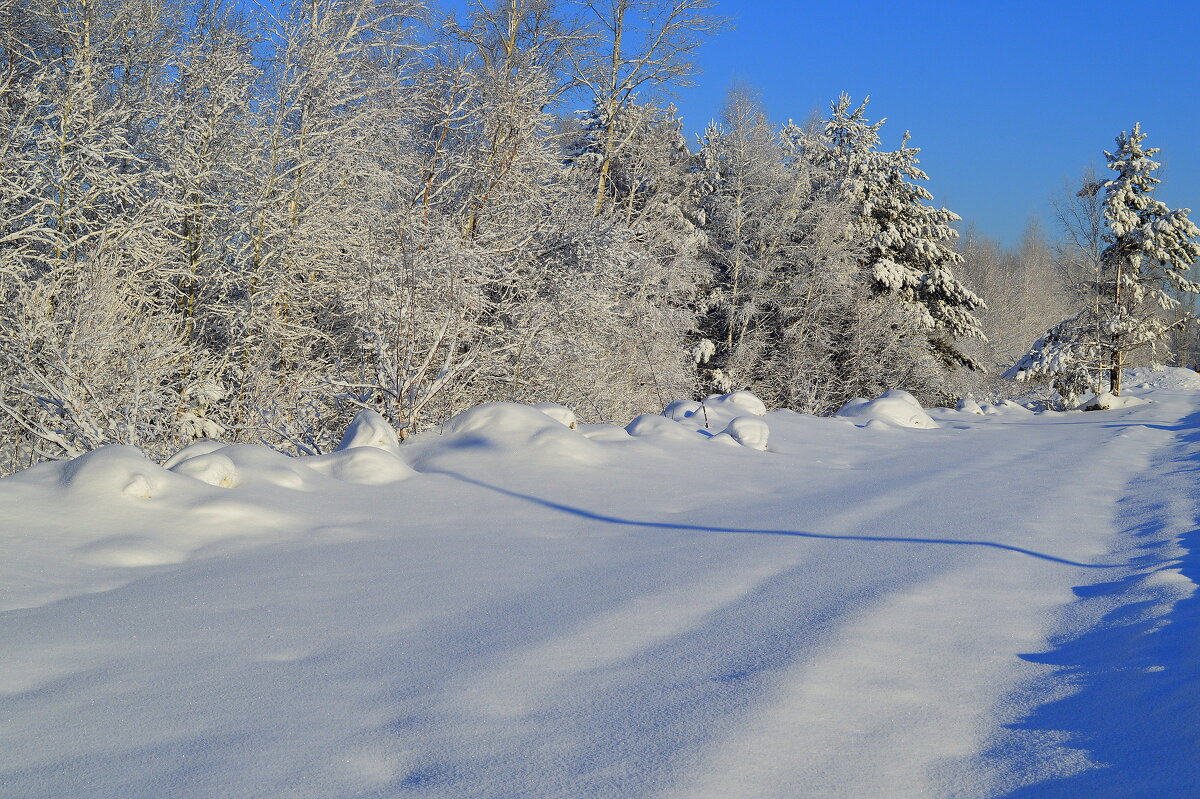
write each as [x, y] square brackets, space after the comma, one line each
[890, 603]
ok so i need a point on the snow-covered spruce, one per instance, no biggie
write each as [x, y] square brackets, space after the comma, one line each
[1148, 256]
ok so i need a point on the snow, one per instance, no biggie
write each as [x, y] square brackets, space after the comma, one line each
[1171, 379]
[969, 405]
[558, 412]
[987, 605]
[682, 409]
[369, 429]
[362, 465]
[1107, 401]
[652, 425]
[742, 402]
[748, 431]
[893, 407]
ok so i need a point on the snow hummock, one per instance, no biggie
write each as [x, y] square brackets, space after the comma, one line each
[1106, 401]
[500, 432]
[740, 402]
[653, 425]
[195, 449]
[894, 407]
[109, 471]
[968, 405]
[558, 412]
[366, 465]
[679, 410]
[749, 431]
[369, 429]
[212, 468]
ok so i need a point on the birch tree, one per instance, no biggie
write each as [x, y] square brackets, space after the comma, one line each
[636, 45]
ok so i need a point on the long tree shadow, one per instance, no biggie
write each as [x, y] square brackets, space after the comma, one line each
[600, 517]
[1136, 712]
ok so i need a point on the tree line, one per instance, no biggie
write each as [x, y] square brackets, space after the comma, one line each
[249, 223]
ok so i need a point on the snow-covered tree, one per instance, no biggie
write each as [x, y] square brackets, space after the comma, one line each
[1027, 291]
[789, 313]
[630, 46]
[908, 242]
[1148, 253]
[90, 350]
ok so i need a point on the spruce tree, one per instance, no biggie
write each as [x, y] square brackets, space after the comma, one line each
[907, 240]
[1150, 247]
[1149, 250]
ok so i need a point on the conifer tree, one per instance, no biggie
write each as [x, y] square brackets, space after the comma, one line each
[908, 252]
[1149, 249]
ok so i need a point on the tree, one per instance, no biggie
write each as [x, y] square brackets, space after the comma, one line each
[1149, 248]
[636, 44]
[1148, 253]
[908, 253]
[1027, 292]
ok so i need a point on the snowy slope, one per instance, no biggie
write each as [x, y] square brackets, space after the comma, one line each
[509, 606]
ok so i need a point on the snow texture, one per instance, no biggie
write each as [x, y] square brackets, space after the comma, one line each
[893, 407]
[506, 606]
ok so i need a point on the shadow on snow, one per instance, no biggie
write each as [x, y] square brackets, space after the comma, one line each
[1136, 673]
[600, 517]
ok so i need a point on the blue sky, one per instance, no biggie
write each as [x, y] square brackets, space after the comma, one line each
[1006, 99]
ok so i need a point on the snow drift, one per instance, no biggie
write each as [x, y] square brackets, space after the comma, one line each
[894, 407]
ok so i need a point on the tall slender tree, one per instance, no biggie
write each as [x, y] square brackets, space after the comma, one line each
[1148, 252]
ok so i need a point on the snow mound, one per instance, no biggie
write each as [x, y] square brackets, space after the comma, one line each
[1011, 407]
[740, 403]
[1107, 402]
[258, 467]
[559, 413]
[650, 425]
[210, 467]
[749, 431]
[894, 407]
[969, 405]
[679, 410]
[364, 465]
[113, 470]
[603, 432]
[505, 431]
[369, 429]
[369, 454]
[193, 450]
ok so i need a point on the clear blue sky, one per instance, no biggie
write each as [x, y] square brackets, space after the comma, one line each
[1005, 99]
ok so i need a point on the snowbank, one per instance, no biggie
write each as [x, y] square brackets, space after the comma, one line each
[969, 405]
[369, 429]
[737, 415]
[560, 413]
[1107, 402]
[1168, 378]
[503, 432]
[749, 431]
[650, 425]
[894, 407]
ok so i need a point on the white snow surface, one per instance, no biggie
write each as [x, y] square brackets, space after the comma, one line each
[978, 606]
[893, 407]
